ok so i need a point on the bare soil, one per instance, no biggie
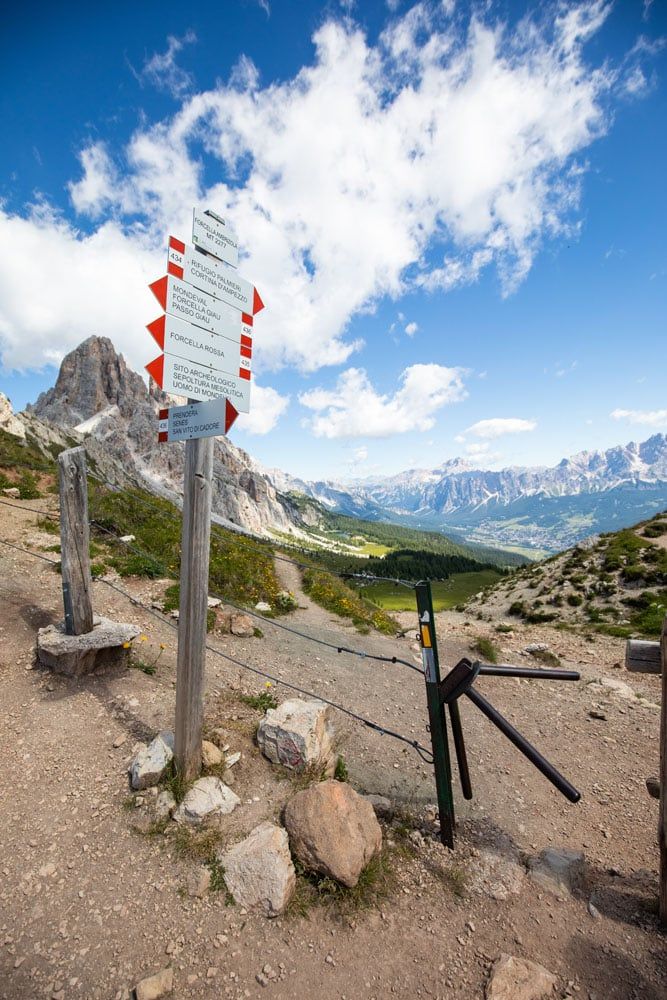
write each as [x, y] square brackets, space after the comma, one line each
[90, 904]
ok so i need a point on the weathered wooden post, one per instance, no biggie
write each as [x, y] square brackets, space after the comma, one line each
[191, 664]
[662, 822]
[650, 658]
[75, 541]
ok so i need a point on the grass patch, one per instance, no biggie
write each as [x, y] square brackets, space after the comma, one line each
[240, 569]
[486, 649]
[49, 525]
[341, 772]
[197, 844]
[261, 702]
[375, 884]
[458, 589]
[334, 595]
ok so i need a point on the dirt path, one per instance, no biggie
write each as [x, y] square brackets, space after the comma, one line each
[88, 906]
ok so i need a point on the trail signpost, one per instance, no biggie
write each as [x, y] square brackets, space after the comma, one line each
[206, 336]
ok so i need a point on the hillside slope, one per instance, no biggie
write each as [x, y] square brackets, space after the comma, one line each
[615, 583]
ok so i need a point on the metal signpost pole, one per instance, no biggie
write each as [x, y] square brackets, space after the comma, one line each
[436, 713]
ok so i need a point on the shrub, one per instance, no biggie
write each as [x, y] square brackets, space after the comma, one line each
[486, 648]
[575, 600]
[517, 609]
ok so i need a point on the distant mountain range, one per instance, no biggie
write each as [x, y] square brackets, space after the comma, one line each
[535, 508]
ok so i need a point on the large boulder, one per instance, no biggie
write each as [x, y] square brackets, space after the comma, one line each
[518, 979]
[208, 799]
[151, 762]
[298, 734]
[333, 830]
[106, 645]
[259, 870]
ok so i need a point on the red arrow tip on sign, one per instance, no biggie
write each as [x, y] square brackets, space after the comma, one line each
[159, 290]
[156, 330]
[257, 303]
[231, 413]
[156, 370]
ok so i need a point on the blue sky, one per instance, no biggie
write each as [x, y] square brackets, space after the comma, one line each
[454, 212]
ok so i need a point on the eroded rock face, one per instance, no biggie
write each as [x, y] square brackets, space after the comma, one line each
[208, 800]
[298, 734]
[104, 400]
[519, 979]
[259, 870]
[333, 830]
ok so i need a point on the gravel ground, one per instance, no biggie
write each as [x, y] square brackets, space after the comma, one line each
[88, 906]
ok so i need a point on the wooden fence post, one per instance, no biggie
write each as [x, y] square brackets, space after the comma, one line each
[662, 822]
[195, 546]
[75, 541]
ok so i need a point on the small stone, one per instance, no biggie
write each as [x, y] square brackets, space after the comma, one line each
[118, 742]
[214, 602]
[241, 626]
[233, 758]
[557, 869]
[12, 492]
[263, 606]
[298, 734]
[208, 799]
[593, 910]
[165, 804]
[210, 755]
[518, 979]
[536, 647]
[154, 987]
[151, 763]
[597, 714]
[47, 870]
[262, 979]
[199, 882]
[653, 787]
[259, 870]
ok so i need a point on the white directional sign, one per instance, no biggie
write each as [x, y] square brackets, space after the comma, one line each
[196, 420]
[212, 276]
[194, 306]
[214, 235]
[191, 343]
[185, 378]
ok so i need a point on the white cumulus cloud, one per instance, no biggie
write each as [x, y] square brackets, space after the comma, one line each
[649, 418]
[496, 427]
[444, 148]
[355, 409]
[266, 408]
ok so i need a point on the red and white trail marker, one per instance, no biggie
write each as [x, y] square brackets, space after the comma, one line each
[196, 420]
[186, 378]
[191, 343]
[211, 276]
[190, 304]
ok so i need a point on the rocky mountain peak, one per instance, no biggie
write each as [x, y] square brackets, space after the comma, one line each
[97, 395]
[92, 378]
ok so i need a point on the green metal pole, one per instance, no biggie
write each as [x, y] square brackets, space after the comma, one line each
[436, 713]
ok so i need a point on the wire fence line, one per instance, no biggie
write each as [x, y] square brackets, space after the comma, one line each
[261, 545]
[423, 752]
[255, 614]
